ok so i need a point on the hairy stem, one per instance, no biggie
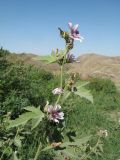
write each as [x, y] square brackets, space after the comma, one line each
[61, 75]
[61, 81]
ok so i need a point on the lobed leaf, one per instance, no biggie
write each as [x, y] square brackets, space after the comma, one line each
[17, 141]
[51, 58]
[84, 93]
[66, 94]
[34, 113]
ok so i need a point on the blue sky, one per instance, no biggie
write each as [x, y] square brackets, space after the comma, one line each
[31, 26]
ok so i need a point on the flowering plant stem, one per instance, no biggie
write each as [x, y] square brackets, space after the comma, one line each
[61, 81]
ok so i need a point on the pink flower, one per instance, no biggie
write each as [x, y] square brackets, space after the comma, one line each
[74, 32]
[54, 113]
[57, 91]
[70, 58]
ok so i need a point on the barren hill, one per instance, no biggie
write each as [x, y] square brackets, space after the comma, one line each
[93, 65]
[90, 65]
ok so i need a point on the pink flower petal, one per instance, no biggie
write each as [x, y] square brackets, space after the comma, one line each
[75, 27]
[50, 108]
[54, 113]
[57, 107]
[56, 120]
[76, 38]
[57, 91]
[61, 115]
[70, 25]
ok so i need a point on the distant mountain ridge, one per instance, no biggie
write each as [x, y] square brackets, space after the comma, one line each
[90, 65]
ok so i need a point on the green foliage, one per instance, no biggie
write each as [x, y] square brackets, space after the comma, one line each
[3, 62]
[86, 118]
[14, 103]
[102, 85]
[68, 149]
[22, 86]
[83, 92]
[34, 113]
[105, 93]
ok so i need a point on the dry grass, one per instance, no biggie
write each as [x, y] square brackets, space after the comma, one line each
[91, 65]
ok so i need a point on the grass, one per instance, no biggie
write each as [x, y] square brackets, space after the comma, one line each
[22, 86]
[87, 118]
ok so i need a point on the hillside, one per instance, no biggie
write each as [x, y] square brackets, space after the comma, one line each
[93, 65]
[90, 65]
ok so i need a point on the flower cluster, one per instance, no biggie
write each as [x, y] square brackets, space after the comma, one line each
[74, 33]
[70, 58]
[70, 37]
[57, 91]
[54, 113]
[103, 133]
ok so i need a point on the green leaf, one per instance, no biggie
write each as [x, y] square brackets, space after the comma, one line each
[47, 58]
[84, 93]
[81, 91]
[22, 120]
[36, 121]
[32, 109]
[1, 143]
[51, 58]
[66, 94]
[15, 156]
[47, 148]
[81, 83]
[69, 148]
[17, 141]
[100, 146]
[77, 142]
[8, 150]
[25, 117]
[69, 153]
